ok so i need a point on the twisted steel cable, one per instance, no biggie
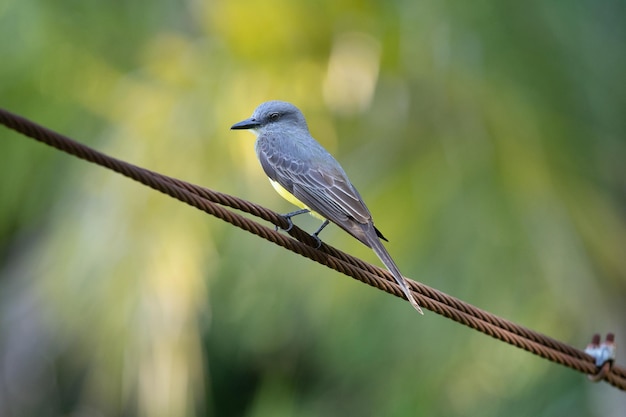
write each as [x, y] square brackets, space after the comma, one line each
[214, 203]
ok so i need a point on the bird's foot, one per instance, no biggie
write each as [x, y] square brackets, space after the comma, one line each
[318, 240]
[317, 232]
[288, 217]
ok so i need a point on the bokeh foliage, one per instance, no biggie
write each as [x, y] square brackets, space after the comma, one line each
[487, 138]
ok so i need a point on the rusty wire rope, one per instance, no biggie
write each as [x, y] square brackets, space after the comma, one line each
[302, 243]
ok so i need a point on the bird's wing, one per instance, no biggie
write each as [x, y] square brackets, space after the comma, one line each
[322, 186]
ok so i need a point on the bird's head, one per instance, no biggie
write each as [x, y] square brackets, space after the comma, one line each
[273, 115]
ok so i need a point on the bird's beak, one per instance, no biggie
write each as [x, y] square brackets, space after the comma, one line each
[250, 123]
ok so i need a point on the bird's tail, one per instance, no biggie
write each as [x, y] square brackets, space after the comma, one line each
[380, 251]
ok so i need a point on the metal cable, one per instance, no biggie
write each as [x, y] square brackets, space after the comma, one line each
[213, 202]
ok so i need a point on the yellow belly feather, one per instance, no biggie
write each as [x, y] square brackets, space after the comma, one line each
[292, 199]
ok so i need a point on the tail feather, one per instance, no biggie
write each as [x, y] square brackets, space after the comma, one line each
[374, 242]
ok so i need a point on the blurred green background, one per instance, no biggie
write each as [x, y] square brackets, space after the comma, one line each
[487, 137]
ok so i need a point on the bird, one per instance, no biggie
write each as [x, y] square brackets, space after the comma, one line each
[308, 176]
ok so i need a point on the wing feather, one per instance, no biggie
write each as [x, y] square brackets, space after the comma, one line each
[321, 184]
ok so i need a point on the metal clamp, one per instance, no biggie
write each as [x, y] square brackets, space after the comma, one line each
[603, 353]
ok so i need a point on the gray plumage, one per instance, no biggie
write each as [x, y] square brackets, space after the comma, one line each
[291, 157]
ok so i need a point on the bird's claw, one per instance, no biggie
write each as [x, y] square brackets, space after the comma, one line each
[288, 217]
[318, 240]
[289, 227]
[290, 224]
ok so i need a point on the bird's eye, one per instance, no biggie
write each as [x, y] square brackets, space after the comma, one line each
[274, 116]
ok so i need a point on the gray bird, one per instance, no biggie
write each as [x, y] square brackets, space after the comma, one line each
[306, 175]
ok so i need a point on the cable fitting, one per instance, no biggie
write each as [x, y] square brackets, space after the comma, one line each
[603, 354]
